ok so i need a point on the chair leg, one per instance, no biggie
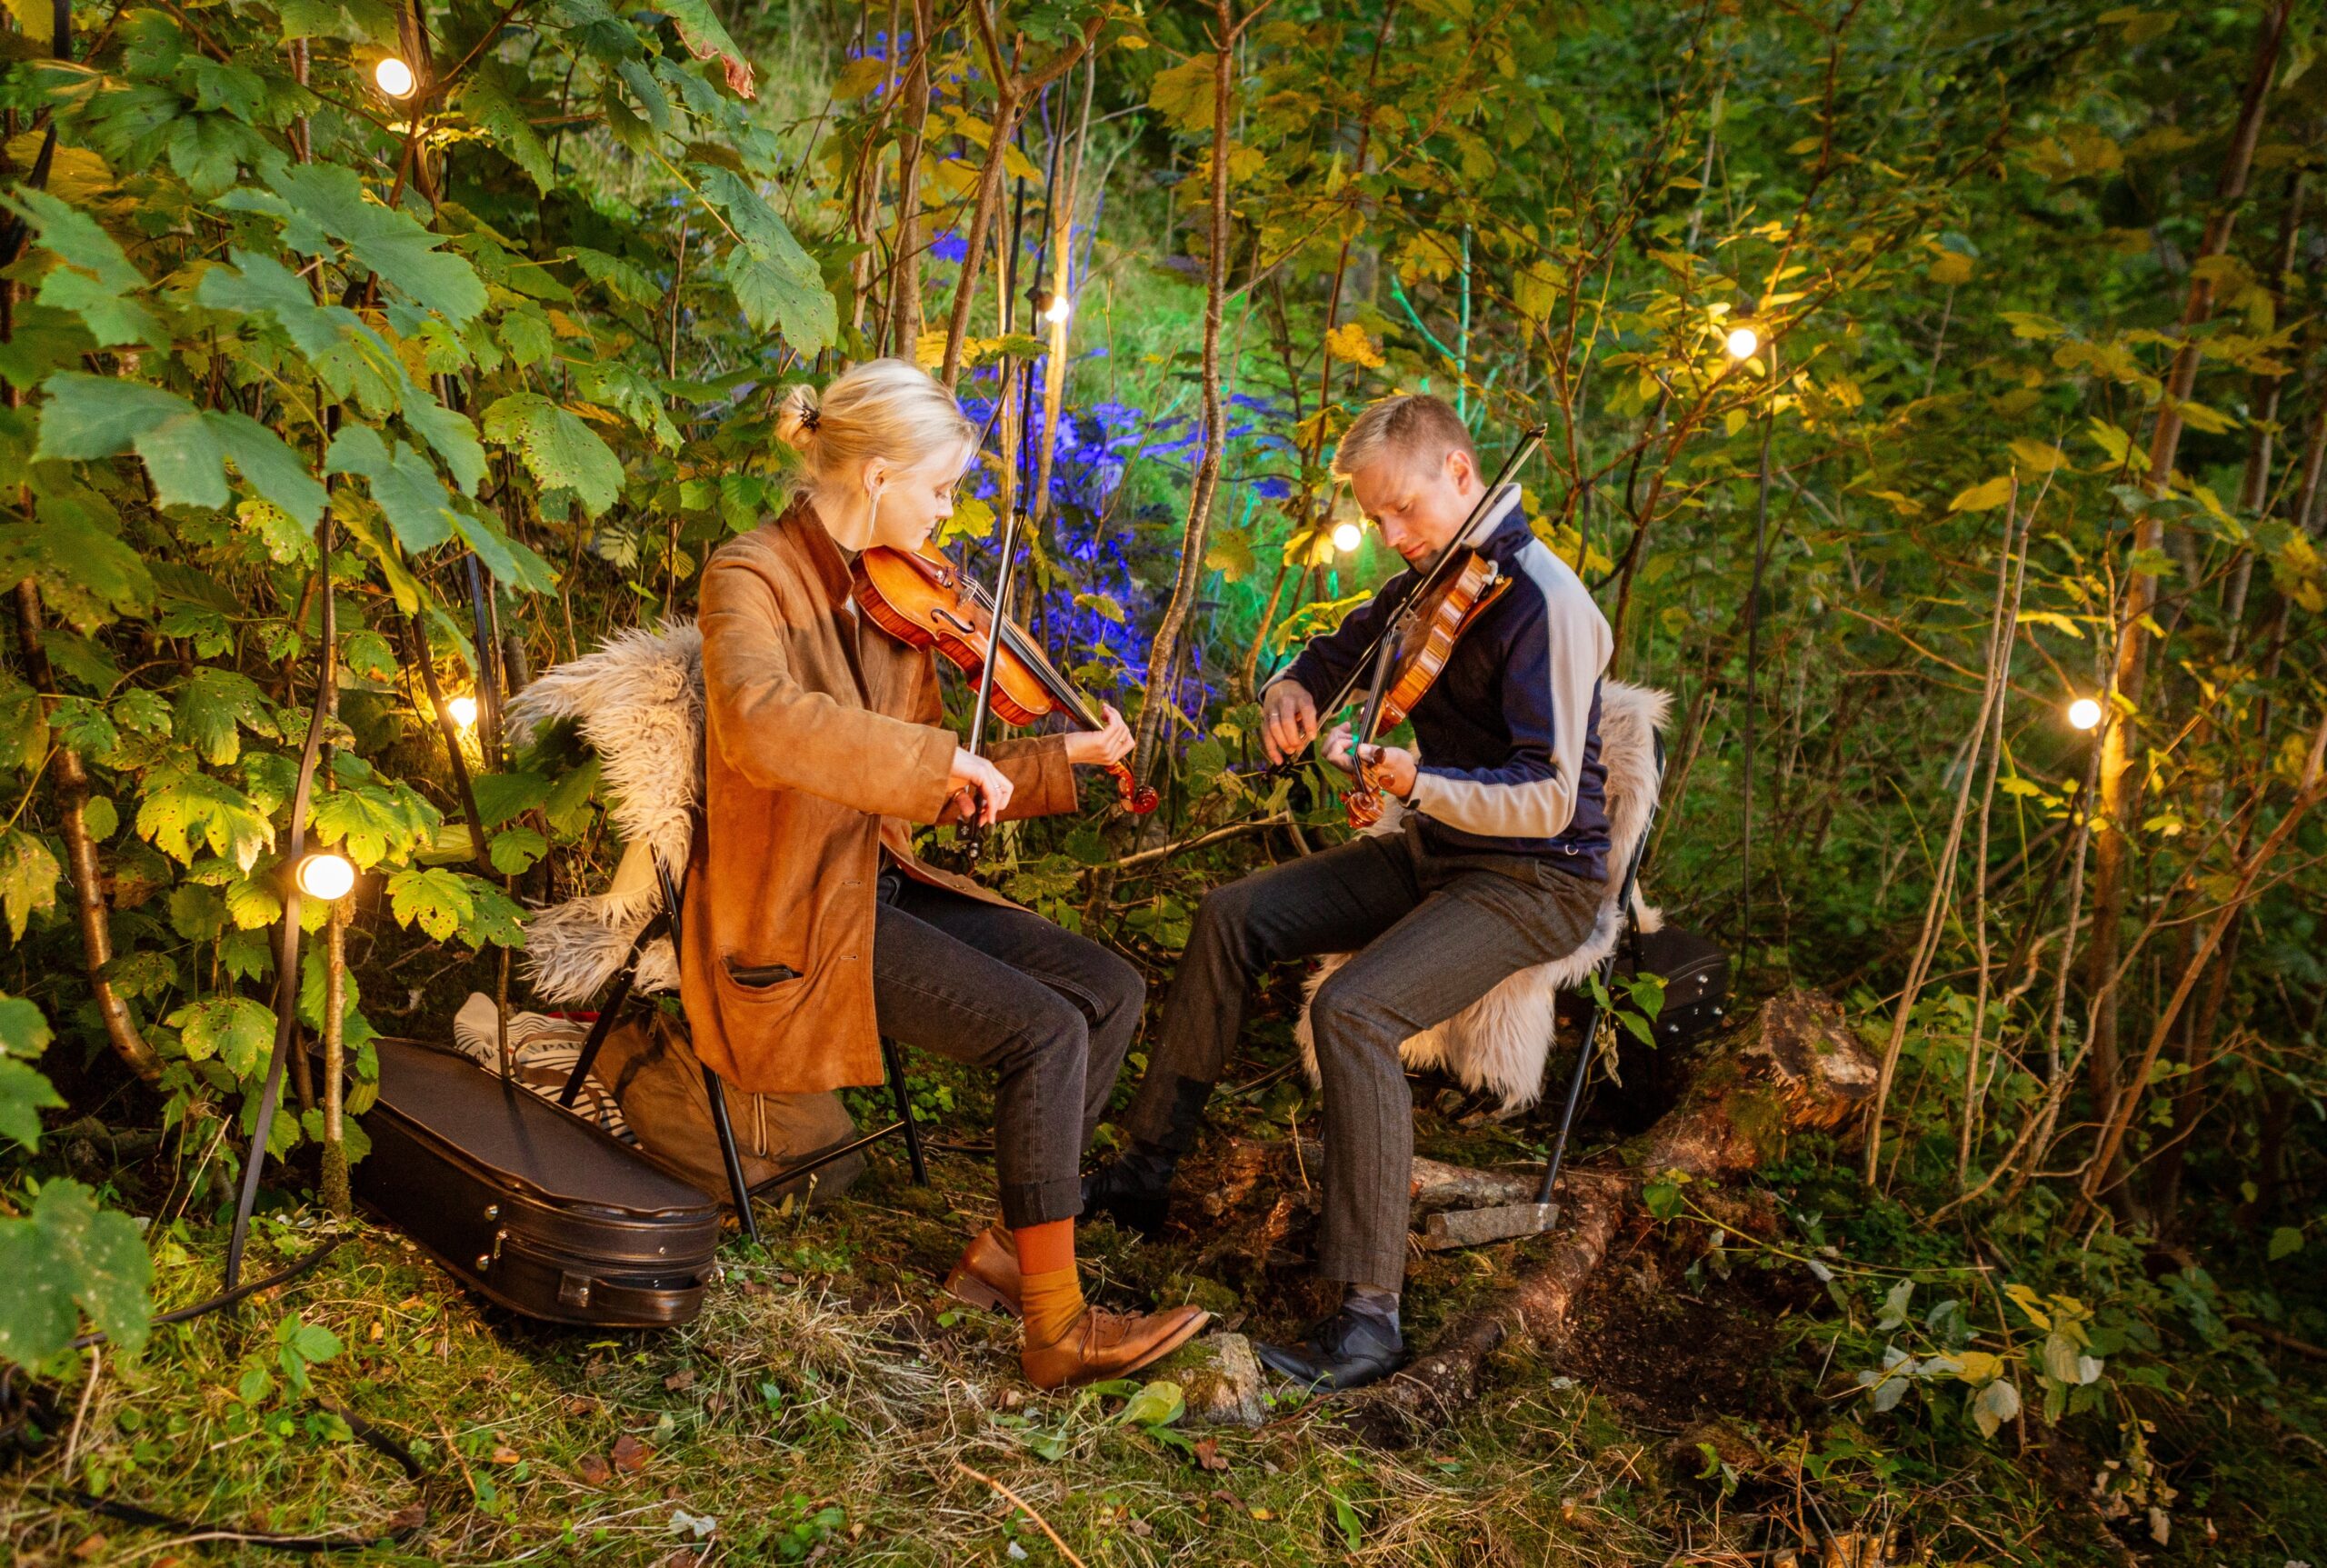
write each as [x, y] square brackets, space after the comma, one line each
[896, 1070]
[1575, 1093]
[736, 1185]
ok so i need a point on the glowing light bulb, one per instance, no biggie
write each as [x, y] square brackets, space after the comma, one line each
[1742, 342]
[326, 876]
[1347, 537]
[2085, 714]
[463, 712]
[1059, 310]
[394, 77]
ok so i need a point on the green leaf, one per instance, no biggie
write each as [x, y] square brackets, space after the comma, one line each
[1993, 1405]
[214, 707]
[560, 451]
[191, 810]
[67, 1256]
[701, 31]
[487, 98]
[28, 878]
[85, 573]
[2285, 1242]
[404, 482]
[514, 850]
[1158, 1403]
[372, 821]
[24, 1092]
[186, 449]
[776, 283]
[435, 897]
[318, 200]
[236, 1030]
[501, 797]
[509, 562]
[95, 274]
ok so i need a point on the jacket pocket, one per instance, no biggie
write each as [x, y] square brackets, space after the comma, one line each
[758, 976]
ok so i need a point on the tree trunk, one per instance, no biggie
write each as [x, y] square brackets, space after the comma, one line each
[1012, 92]
[89, 908]
[1163, 652]
[905, 277]
[1797, 1067]
[2119, 785]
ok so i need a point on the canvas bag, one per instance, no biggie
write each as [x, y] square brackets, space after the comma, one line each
[652, 1072]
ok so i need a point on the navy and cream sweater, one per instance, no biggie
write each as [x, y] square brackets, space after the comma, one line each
[1509, 734]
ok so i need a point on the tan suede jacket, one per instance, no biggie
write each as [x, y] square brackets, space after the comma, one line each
[823, 741]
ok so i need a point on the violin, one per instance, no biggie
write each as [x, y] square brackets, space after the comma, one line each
[1430, 631]
[923, 600]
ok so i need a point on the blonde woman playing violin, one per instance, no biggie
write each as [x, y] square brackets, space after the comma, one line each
[813, 930]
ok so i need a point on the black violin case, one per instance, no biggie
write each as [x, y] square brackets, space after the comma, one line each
[526, 1203]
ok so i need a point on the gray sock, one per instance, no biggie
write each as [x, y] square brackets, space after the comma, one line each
[1371, 1301]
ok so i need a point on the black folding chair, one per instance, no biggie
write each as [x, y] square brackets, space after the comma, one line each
[666, 919]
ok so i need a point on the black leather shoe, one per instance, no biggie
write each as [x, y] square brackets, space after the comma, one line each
[1132, 1201]
[1348, 1350]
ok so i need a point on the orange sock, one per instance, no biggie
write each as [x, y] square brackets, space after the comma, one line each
[1050, 1292]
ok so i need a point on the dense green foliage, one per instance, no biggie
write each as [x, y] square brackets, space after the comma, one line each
[2034, 408]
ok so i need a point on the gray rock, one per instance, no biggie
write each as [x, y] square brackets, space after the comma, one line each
[1220, 1377]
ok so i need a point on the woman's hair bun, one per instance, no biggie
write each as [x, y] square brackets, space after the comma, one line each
[796, 419]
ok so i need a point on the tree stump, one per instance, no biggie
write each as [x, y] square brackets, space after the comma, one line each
[1795, 1066]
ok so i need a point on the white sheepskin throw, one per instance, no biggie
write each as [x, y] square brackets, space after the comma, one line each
[1501, 1042]
[639, 703]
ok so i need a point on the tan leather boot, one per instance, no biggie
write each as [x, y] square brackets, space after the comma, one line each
[987, 1274]
[1104, 1345]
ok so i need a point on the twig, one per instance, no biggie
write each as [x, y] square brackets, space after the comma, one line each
[1024, 1507]
[1164, 851]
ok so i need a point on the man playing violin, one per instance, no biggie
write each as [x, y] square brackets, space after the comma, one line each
[813, 927]
[1498, 864]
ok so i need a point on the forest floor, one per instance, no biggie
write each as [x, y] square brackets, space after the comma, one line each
[833, 1404]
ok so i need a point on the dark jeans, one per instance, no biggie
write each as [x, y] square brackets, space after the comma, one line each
[1432, 932]
[1050, 1012]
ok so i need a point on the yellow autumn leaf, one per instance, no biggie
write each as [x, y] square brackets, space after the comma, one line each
[1984, 497]
[2211, 420]
[1182, 93]
[1950, 268]
[2037, 457]
[1349, 344]
[929, 349]
[36, 17]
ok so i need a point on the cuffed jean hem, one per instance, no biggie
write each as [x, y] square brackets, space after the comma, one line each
[1027, 1204]
[1364, 1267]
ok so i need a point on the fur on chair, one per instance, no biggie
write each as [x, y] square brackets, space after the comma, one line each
[638, 700]
[1501, 1042]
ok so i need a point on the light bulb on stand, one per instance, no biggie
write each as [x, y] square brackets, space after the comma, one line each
[394, 77]
[463, 712]
[1741, 342]
[1347, 537]
[2085, 714]
[326, 876]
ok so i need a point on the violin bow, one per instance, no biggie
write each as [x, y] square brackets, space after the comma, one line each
[973, 831]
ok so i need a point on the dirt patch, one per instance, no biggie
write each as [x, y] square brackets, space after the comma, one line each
[1668, 1353]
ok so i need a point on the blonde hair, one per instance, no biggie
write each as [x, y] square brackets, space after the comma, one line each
[1414, 428]
[882, 408]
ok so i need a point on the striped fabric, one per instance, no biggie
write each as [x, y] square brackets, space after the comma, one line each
[544, 1050]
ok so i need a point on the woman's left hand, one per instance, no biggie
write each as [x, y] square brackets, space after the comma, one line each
[1096, 748]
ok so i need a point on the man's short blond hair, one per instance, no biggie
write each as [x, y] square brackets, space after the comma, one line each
[1415, 428]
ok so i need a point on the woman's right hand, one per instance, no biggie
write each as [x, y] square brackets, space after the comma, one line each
[980, 790]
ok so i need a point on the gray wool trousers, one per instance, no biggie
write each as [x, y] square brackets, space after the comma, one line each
[1431, 933]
